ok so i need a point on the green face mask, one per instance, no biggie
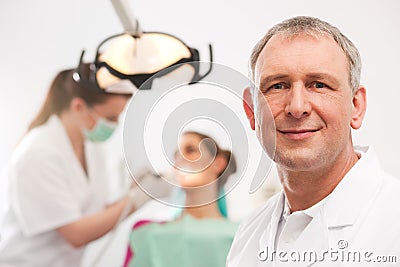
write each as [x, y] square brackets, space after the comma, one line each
[101, 131]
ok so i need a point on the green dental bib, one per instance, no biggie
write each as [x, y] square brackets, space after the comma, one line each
[187, 242]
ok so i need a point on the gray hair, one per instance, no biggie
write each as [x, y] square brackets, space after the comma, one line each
[312, 26]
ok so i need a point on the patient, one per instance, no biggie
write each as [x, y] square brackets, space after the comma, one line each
[201, 234]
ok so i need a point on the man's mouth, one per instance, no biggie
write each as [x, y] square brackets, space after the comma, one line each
[298, 133]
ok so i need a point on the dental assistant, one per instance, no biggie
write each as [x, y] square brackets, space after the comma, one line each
[57, 182]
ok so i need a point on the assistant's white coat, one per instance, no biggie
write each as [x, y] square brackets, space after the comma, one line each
[48, 188]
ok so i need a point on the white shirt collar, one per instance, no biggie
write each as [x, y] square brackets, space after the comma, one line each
[315, 209]
[286, 209]
[311, 211]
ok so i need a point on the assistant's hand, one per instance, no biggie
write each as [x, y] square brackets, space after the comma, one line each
[148, 185]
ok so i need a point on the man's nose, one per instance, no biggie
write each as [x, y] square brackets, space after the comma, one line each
[298, 103]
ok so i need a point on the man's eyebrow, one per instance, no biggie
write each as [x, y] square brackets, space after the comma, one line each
[268, 79]
[317, 75]
[323, 76]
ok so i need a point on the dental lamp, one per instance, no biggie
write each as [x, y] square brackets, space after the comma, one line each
[124, 62]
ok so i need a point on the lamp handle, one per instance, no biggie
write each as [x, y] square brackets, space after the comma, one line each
[126, 16]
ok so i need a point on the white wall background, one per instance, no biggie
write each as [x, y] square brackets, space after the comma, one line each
[39, 38]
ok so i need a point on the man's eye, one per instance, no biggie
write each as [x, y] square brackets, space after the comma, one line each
[277, 86]
[319, 85]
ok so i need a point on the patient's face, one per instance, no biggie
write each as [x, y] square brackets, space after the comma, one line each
[194, 161]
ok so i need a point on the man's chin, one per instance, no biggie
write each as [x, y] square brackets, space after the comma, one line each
[298, 161]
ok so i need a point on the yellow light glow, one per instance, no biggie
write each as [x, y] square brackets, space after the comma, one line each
[150, 53]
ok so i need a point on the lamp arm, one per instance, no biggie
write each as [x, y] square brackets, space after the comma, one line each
[126, 16]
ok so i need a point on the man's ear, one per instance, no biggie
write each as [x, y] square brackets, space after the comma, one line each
[248, 106]
[359, 107]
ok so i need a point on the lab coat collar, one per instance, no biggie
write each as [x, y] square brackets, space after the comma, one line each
[65, 145]
[360, 184]
[335, 210]
[60, 135]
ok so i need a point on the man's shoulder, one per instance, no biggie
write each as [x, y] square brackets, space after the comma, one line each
[377, 228]
[383, 209]
[391, 179]
[390, 188]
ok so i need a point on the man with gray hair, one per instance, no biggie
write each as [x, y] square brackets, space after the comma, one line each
[337, 207]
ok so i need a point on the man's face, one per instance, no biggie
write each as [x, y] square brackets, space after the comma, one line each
[305, 81]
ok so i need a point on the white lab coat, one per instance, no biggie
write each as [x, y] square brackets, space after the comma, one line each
[48, 188]
[361, 215]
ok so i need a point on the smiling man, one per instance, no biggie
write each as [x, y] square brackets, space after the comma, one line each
[337, 206]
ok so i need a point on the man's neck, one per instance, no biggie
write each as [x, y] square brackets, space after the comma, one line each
[306, 188]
